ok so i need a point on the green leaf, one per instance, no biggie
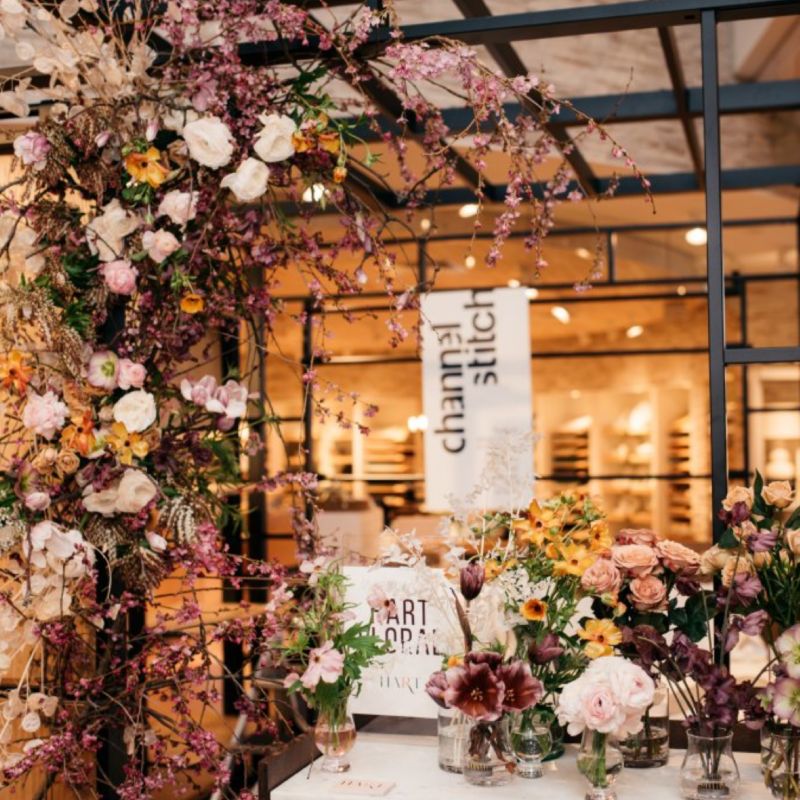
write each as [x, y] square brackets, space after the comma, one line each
[794, 520]
[759, 506]
[728, 540]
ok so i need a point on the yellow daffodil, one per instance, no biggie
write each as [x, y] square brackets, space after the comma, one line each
[126, 445]
[146, 167]
[574, 559]
[15, 371]
[534, 610]
[192, 303]
[601, 636]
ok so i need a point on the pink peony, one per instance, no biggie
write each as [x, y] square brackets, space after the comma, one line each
[325, 664]
[635, 559]
[44, 414]
[103, 368]
[120, 276]
[648, 593]
[602, 577]
[130, 375]
[32, 148]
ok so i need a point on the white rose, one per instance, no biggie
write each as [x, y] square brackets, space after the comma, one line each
[134, 492]
[274, 142]
[180, 207]
[136, 411]
[160, 245]
[249, 182]
[209, 141]
[103, 502]
[177, 118]
[106, 232]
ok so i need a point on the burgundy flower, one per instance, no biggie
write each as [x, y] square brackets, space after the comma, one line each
[752, 625]
[649, 644]
[436, 687]
[475, 690]
[489, 657]
[472, 577]
[546, 650]
[736, 516]
[522, 690]
[743, 590]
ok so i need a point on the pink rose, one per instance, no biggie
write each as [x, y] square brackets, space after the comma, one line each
[120, 276]
[635, 559]
[32, 149]
[638, 536]
[130, 374]
[44, 414]
[160, 245]
[677, 557]
[648, 593]
[602, 577]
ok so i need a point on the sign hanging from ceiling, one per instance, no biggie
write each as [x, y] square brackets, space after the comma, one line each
[477, 398]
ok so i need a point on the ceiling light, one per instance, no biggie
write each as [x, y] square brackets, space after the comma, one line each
[314, 193]
[696, 237]
[424, 224]
[531, 293]
[575, 394]
[561, 314]
[469, 261]
[469, 210]
[634, 332]
[514, 284]
[417, 423]
[583, 253]
[681, 290]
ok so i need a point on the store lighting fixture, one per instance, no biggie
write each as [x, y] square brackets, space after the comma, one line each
[583, 253]
[468, 210]
[575, 394]
[514, 284]
[696, 237]
[418, 423]
[634, 332]
[469, 261]
[531, 293]
[561, 314]
[424, 224]
[681, 290]
[314, 193]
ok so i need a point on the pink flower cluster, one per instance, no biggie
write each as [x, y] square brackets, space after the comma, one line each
[229, 399]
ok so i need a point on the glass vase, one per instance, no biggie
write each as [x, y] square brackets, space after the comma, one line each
[709, 770]
[532, 742]
[547, 716]
[650, 747]
[334, 736]
[599, 761]
[453, 729]
[782, 764]
[489, 759]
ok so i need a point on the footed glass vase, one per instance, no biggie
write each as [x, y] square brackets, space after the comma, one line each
[334, 736]
[650, 747]
[709, 770]
[453, 728]
[489, 759]
[599, 761]
[532, 741]
[781, 764]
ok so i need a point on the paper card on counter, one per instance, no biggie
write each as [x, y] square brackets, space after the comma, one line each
[363, 787]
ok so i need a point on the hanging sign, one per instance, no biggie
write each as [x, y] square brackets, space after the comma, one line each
[476, 376]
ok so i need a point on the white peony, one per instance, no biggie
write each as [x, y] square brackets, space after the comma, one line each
[180, 207]
[160, 245]
[136, 411]
[134, 492]
[249, 181]
[106, 232]
[274, 142]
[209, 141]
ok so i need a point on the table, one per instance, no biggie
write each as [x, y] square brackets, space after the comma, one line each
[411, 763]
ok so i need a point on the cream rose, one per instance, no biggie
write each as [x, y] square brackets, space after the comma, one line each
[249, 181]
[160, 245]
[714, 560]
[678, 557]
[274, 142]
[136, 411]
[101, 502]
[637, 536]
[648, 593]
[793, 541]
[106, 233]
[742, 565]
[209, 141]
[180, 207]
[778, 493]
[602, 578]
[738, 494]
[635, 559]
[134, 492]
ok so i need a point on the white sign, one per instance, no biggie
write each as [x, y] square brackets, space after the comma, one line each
[395, 687]
[476, 375]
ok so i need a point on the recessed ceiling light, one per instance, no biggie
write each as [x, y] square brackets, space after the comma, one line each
[424, 224]
[561, 314]
[314, 193]
[681, 290]
[514, 284]
[469, 261]
[468, 210]
[575, 394]
[583, 253]
[531, 293]
[696, 237]
[634, 332]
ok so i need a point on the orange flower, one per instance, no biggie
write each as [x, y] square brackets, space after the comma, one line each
[455, 661]
[15, 371]
[301, 142]
[192, 303]
[534, 610]
[146, 167]
[575, 560]
[329, 142]
[79, 435]
[492, 569]
[601, 636]
[599, 536]
[126, 445]
[339, 174]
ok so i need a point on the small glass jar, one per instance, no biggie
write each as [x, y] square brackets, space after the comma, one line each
[650, 747]
[532, 741]
[453, 729]
[334, 736]
[600, 762]
[489, 759]
[709, 770]
[781, 768]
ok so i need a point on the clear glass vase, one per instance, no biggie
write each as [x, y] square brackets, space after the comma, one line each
[781, 767]
[334, 736]
[709, 770]
[489, 759]
[532, 741]
[650, 747]
[453, 729]
[599, 761]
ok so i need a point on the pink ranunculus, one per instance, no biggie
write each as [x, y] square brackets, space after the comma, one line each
[648, 593]
[160, 245]
[602, 577]
[44, 414]
[602, 710]
[103, 370]
[325, 664]
[678, 557]
[635, 559]
[120, 276]
[638, 536]
[130, 374]
[32, 148]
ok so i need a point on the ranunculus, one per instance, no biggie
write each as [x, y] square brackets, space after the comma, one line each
[44, 414]
[648, 593]
[602, 577]
[793, 541]
[738, 494]
[130, 375]
[602, 711]
[134, 491]
[120, 276]
[180, 207]
[778, 493]
[274, 142]
[249, 181]
[160, 245]
[67, 462]
[714, 560]
[638, 536]
[103, 367]
[209, 141]
[32, 149]
[136, 411]
[678, 557]
[635, 559]
[106, 233]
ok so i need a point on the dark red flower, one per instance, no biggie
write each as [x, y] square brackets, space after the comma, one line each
[522, 690]
[486, 657]
[546, 650]
[472, 577]
[436, 687]
[475, 690]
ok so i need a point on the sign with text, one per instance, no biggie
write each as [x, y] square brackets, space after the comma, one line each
[396, 686]
[476, 375]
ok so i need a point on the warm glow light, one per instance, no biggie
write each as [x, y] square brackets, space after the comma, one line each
[531, 293]
[634, 332]
[314, 193]
[561, 314]
[417, 423]
[681, 290]
[575, 394]
[514, 284]
[469, 261]
[696, 237]
[424, 224]
[468, 210]
[583, 253]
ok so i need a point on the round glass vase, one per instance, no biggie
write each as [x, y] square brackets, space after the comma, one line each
[547, 716]
[453, 728]
[489, 759]
[532, 741]
[781, 767]
[600, 762]
[334, 736]
[709, 770]
[650, 747]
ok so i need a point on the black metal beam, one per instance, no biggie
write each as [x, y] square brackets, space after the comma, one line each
[761, 355]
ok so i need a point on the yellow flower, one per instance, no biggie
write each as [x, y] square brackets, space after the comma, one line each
[146, 167]
[15, 370]
[599, 536]
[491, 569]
[192, 303]
[329, 142]
[339, 174]
[575, 560]
[126, 445]
[79, 435]
[601, 636]
[455, 661]
[534, 610]
[301, 142]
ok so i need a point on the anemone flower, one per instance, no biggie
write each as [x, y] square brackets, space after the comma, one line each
[788, 645]
[475, 690]
[786, 700]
